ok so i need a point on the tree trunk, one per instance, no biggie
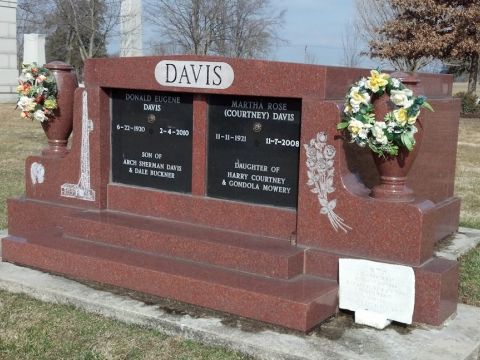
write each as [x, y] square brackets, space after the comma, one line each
[473, 74]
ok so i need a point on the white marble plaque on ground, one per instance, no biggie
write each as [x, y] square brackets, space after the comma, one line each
[379, 288]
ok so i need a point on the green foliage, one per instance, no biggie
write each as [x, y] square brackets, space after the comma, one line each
[470, 102]
[407, 140]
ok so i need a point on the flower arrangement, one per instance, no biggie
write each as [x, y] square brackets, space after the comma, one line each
[397, 129]
[37, 91]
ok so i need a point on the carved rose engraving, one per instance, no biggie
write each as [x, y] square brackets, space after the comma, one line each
[320, 171]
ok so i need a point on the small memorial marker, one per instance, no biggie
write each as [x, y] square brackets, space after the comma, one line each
[152, 139]
[377, 291]
[253, 149]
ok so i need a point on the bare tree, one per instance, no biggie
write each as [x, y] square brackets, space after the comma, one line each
[309, 57]
[190, 24]
[350, 46]
[252, 28]
[89, 23]
[371, 16]
[240, 28]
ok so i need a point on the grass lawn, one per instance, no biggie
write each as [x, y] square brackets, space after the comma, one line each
[18, 139]
[467, 182]
[31, 329]
[462, 87]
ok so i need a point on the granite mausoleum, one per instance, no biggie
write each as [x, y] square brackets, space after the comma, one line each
[188, 178]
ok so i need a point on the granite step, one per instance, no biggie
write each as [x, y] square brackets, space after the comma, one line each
[230, 249]
[299, 303]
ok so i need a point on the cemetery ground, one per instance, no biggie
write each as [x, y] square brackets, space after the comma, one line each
[36, 330]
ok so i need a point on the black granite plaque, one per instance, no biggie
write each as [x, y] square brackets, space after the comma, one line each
[152, 139]
[253, 149]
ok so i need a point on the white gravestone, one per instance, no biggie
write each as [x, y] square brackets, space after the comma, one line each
[131, 28]
[377, 292]
[34, 49]
[8, 51]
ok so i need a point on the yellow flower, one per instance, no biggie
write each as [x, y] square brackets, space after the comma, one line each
[401, 116]
[358, 97]
[376, 80]
[50, 104]
[348, 109]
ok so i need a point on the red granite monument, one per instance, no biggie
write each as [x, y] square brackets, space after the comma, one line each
[188, 178]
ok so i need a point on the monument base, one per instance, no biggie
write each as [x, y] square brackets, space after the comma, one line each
[249, 275]
[252, 276]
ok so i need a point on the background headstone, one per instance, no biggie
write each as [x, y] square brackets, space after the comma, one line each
[131, 28]
[34, 49]
[8, 51]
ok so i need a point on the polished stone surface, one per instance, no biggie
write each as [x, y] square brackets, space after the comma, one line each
[265, 257]
[299, 303]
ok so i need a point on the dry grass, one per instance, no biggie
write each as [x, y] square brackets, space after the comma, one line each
[462, 87]
[467, 184]
[469, 287]
[18, 139]
[31, 329]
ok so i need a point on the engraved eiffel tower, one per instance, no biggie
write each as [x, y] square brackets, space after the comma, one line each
[82, 190]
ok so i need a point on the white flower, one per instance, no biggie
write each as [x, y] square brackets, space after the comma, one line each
[22, 102]
[355, 108]
[22, 78]
[25, 103]
[358, 128]
[379, 134]
[39, 115]
[362, 82]
[354, 126]
[41, 89]
[28, 76]
[377, 131]
[400, 98]
[395, 82]
[382, 140]
[357, 97]
[363, 133]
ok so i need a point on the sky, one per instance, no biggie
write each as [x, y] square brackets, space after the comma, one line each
[311, 27]
[317, 25]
